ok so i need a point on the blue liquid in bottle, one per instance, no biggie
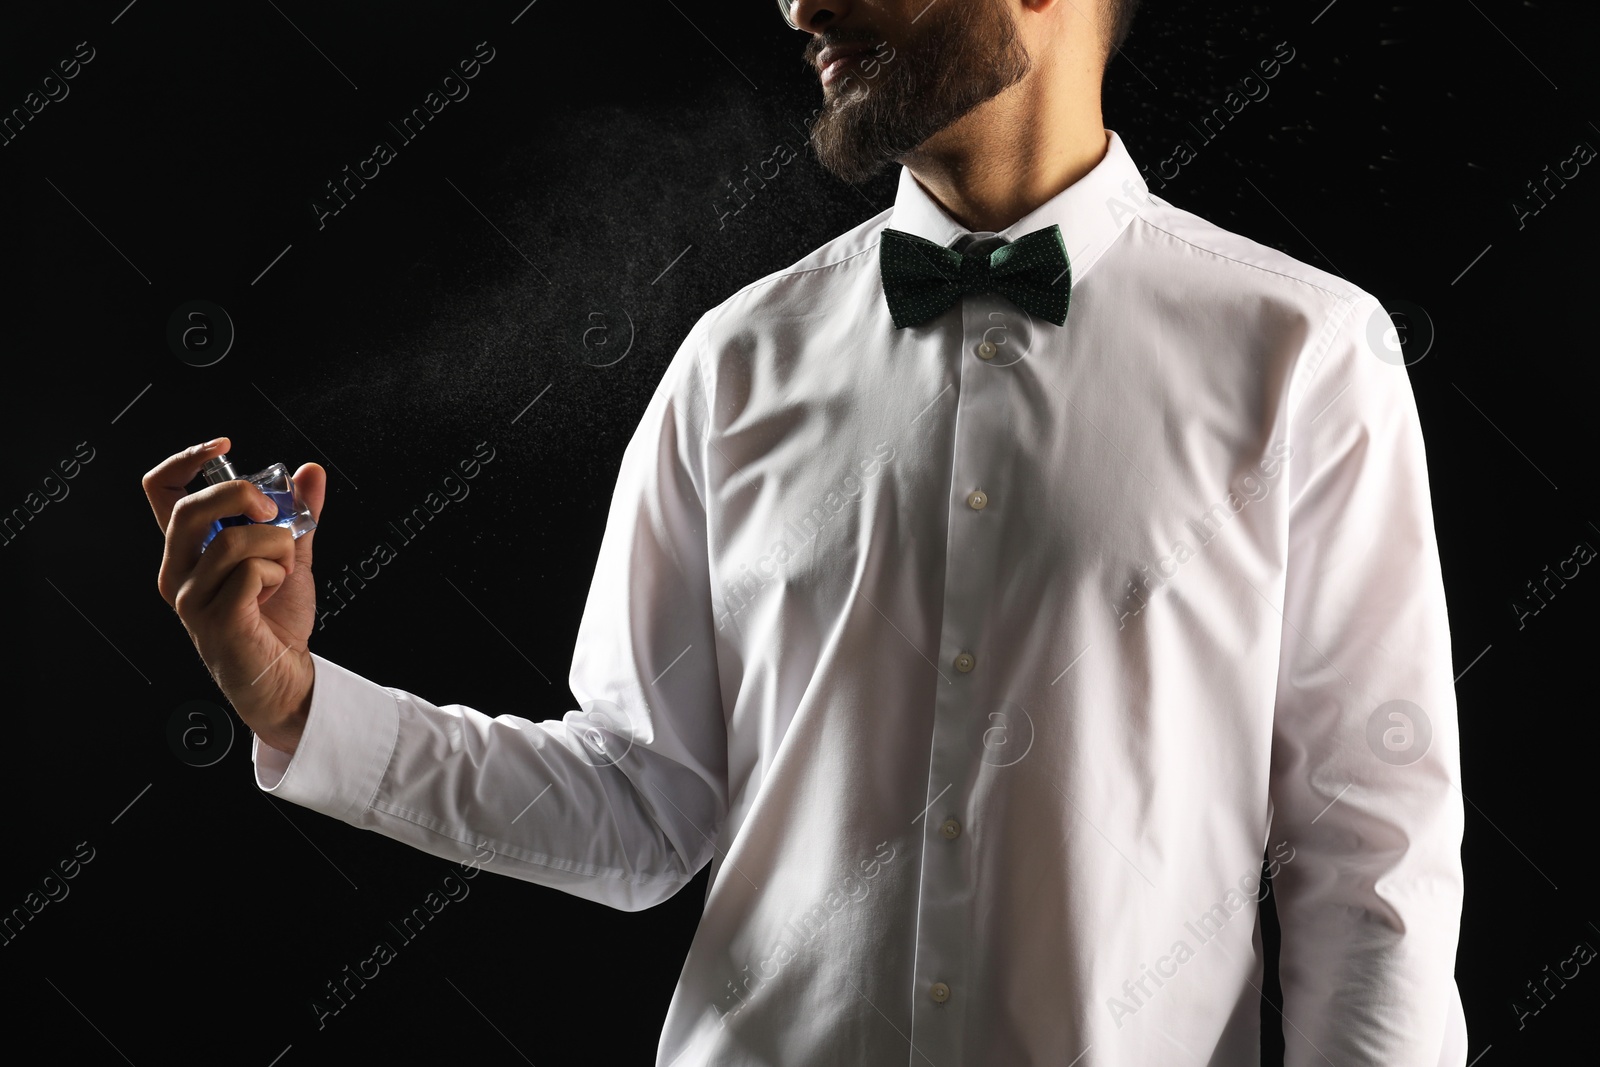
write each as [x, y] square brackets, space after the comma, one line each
[287, 515]
[293, 514]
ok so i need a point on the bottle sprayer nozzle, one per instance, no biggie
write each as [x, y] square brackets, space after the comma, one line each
[218, 469]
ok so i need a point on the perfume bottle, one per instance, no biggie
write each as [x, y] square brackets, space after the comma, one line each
[274, 481]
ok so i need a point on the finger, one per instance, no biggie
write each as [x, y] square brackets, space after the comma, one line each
[165, 483]
[311, 483]
[234, 546]
[197, 576]
[194, 512]
[246, 586]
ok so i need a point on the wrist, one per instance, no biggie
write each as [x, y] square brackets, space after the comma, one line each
[284, 731]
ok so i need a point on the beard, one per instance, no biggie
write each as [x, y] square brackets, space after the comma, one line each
[965, 54]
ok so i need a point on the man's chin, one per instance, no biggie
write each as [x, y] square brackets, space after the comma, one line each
[847, 158]
[844, 90]
[861, 154]
[855, 172]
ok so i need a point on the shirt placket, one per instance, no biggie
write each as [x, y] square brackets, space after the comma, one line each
[951, 828]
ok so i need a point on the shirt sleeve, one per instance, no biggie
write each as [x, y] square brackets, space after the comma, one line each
[1365, 765]
[618, 800]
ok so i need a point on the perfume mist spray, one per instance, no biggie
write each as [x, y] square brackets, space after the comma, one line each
[275, 482]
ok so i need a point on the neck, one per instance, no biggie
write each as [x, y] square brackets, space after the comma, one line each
[1014, 152]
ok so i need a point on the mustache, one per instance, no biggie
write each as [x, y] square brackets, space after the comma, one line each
[840, 37]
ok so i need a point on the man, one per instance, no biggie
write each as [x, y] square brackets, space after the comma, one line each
[981, 597]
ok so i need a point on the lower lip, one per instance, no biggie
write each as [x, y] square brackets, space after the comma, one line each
[831, 72]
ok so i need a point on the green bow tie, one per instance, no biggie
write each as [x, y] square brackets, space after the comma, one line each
[921, 279]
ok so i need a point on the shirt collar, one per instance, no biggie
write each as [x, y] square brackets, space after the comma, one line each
[1091, 212]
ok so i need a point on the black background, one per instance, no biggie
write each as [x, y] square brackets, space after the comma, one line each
[499, 260]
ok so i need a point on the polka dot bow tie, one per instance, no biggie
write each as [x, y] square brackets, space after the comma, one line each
[922, 279]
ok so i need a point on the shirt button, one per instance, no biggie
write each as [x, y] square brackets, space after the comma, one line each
[939, 992]
[951, 829]
[977, 500]
[986, 350]
[965, 662]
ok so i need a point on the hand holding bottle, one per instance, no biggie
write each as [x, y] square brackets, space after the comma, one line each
[244, 592]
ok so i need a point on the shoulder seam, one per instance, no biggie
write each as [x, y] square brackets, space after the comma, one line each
[1330, 329]
[1254, 266]
[791, 272]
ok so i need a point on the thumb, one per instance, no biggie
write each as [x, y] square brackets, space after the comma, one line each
[311, 483]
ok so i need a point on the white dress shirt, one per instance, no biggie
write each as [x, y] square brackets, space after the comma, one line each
[983, 660]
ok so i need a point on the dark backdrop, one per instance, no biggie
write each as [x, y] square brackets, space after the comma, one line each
[519, 274]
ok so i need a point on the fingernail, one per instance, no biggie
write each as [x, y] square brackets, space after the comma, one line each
[213, 443]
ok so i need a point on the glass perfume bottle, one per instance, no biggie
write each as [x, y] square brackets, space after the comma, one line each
[274, 481]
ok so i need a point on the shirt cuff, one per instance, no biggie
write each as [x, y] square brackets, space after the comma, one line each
[349, 737]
